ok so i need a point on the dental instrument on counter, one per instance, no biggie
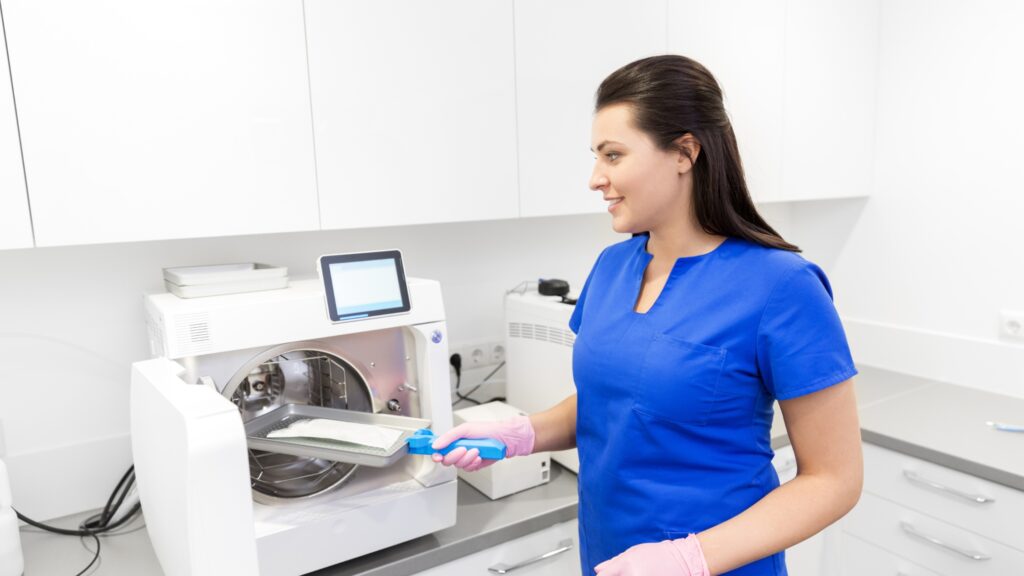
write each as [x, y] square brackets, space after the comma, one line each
[1003, 427]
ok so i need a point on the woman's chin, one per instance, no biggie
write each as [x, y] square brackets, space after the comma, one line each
[622, 226]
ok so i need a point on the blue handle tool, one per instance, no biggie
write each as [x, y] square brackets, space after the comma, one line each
[420, 441]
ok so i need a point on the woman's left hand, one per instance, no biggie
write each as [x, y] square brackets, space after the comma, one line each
[682, 557]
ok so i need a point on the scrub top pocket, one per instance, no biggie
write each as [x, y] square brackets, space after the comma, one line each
[679, 380]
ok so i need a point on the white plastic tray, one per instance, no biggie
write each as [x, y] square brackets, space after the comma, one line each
[220, 273]
[200, 290]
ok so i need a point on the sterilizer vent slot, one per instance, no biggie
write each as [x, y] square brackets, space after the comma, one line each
[193, 333]
[541, 332]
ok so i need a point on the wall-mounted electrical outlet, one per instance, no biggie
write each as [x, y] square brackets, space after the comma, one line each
[480, 354]
[1011, 324]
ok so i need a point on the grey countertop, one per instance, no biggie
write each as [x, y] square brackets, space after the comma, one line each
[933, 421]
[946, 424]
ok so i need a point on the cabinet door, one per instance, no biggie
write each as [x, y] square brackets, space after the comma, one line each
[799, 80]
[742, 43]
[861, 559]
[144, 120]
[558, 545]
[831, 69]
[563, 51]
[414, 110]
[15, 225]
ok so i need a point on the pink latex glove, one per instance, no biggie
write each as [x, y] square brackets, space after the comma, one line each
[516, 433]
[682, 557]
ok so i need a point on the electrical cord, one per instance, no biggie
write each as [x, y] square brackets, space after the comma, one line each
[97, 524]
[484, 381]
[456, 361]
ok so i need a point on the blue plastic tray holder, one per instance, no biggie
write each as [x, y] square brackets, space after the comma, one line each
[421, 440]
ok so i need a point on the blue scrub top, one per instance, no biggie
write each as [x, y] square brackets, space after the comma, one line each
[674, 406]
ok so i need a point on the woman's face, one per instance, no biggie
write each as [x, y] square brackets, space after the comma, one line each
[641, 182]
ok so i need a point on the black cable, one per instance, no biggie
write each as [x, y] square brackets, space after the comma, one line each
[484, 381]
[456, 361]
[100, 523]
[95, 557]
[123, 487]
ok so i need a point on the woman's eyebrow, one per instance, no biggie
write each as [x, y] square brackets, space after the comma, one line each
[602, 144]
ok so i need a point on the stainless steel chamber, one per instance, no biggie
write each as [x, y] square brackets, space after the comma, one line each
[369, 372]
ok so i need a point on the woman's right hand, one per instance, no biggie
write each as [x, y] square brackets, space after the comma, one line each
[516, 433]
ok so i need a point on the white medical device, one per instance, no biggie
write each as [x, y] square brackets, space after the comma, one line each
[214, 504]
[538, 352]
[11, 561]
[510, 475]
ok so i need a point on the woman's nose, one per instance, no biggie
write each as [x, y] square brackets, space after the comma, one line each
[598, 180]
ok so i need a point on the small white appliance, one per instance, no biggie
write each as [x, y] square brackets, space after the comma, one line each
[213, 504]
[538, 352]
[505, 476]
[11, 561]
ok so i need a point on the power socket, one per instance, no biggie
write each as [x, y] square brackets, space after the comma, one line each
[480, 354]
[1011, 324]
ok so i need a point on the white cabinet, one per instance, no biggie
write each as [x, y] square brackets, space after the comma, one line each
[414, 110]
[143, 121]
[863, 559]
[829, 98]
[742, 43]
[553, 551]
[934, 518]
[15, 224]
[938, 545]
[563, 51]
[799, 81]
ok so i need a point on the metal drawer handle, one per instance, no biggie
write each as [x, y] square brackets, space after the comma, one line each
[909, 529]
[920, 480]
[563, 546]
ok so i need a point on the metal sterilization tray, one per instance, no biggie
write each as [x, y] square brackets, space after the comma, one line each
[283, 416]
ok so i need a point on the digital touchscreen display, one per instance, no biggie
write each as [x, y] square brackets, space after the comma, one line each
[364, 285]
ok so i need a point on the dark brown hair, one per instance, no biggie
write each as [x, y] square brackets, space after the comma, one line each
[671, 96]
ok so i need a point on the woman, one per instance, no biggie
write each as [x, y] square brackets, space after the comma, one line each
[686, 335]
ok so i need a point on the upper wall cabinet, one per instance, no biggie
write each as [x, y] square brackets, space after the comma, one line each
[799, 83]
[564, 50]
[830, 93]
[742, 43]
[15, 225]
[414, 110]
[143, 120]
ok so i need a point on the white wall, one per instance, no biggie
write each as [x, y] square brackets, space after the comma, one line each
[922, 268]
[71, 323]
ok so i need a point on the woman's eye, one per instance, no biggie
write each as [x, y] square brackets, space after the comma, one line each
[612, 156]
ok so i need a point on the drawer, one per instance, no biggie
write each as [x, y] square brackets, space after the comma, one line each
[929, 542]
[863, 559]
[946, 494]
[553, 551]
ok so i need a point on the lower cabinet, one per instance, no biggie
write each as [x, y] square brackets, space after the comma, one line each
[918, 518]
[862, 558]
[553, 551]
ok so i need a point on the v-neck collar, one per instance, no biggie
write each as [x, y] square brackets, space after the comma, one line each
[643, 260]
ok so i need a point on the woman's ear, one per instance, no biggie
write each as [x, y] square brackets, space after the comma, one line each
[689, 150]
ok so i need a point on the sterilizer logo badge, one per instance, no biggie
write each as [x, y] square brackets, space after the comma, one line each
[436, 337]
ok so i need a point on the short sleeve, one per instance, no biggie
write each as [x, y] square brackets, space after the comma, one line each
[577, 314]
[801, 346]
